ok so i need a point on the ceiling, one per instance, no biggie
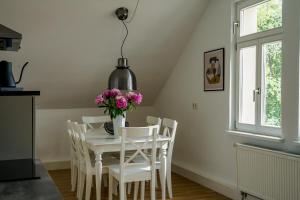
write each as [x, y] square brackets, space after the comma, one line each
[73, 45]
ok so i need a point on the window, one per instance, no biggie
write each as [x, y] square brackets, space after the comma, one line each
[258, 31]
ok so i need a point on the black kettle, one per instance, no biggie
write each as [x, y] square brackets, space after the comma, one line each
[6, 75]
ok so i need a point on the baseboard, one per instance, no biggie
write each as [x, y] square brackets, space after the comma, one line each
[56, 165]
[224, 189]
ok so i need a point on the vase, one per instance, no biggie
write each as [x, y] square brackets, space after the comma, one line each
[118, 122]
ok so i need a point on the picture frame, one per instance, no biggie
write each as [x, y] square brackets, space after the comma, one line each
[214, 70]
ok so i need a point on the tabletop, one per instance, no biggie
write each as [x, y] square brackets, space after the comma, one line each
[98, 137]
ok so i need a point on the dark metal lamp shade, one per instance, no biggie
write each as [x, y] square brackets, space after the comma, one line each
[122, 77]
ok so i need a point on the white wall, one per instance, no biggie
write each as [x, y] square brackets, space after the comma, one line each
[202, 144]
[83, 38]
[52, 143]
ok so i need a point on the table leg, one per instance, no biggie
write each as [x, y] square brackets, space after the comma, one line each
[98, 160]
[163, 173]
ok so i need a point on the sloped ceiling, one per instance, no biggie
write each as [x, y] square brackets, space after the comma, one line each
[73, 45]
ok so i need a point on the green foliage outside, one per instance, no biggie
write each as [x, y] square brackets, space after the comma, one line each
[270, 16]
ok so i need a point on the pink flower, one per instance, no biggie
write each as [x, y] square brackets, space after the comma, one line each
[129, 95]
[106, 93]
[138, 98]
[135, 97]
[115, 92]
[99, 99]
[121, 102]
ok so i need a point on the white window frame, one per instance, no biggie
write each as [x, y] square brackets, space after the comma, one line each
[256, 39]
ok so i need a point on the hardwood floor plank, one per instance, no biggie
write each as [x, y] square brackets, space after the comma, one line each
[183, 189]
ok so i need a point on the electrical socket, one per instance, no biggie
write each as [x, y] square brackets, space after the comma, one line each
[195, 106]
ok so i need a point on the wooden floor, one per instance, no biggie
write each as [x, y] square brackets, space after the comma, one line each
[183, 189]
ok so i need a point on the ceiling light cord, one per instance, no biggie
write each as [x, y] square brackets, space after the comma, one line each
[133, 14]
[124, 38]
[127, 22]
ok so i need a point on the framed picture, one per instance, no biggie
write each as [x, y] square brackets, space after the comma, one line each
[214, 62]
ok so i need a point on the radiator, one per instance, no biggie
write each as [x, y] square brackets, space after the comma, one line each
[268, 174]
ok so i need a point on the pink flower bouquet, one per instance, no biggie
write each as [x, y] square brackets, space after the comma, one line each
[117, 103]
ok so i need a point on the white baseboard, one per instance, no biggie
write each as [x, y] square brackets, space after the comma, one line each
[224, 189]
[56, 165]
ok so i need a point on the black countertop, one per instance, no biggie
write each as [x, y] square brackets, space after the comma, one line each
[37, 189]
[19, 93]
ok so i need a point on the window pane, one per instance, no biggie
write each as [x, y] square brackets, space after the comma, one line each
[271, 85]
[261, 17]
[247, 85]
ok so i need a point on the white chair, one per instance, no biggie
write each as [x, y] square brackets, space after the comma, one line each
[128, 171]
[94, 122]
[169, 128]
[73, 155]
[87, 166]
[153, 121]
[75, 139]
[150, 120]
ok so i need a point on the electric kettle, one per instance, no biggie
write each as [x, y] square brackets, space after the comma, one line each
[6, 75]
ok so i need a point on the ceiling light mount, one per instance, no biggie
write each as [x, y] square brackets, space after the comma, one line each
[122, 13]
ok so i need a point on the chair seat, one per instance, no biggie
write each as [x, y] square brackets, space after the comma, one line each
[132, 173]
[105, 163]
[117, 154]
[140, 159]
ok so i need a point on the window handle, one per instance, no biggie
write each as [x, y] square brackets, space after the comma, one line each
[236, 25]
[256, 92]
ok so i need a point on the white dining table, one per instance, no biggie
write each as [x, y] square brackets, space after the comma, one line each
[99, 141]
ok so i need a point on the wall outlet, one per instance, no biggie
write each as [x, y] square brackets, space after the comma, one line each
[195, 106]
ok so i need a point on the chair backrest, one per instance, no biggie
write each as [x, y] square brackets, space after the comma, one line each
[90, 121]
[169, 128]
[153, 121]
[71, 137]
[80, 130]
[75, 138]
[138, 138]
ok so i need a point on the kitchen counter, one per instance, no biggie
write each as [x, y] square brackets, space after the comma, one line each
[19, 93]
[36, 189]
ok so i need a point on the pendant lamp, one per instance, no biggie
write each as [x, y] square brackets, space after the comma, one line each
[122, 77]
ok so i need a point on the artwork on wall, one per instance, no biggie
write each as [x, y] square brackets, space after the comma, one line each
[214, 62]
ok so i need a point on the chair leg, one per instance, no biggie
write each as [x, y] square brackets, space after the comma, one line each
[136, 190]
[76, 177]
[125, 192]
[142, 190]
[110, 187]
[162, 185]
[88, 186]
[73, 177]
[115, 187]
[129, 188]
[122, 191]
[156, 180]
[81, 186]
[105, 180]
[78, 181]
[152, 189]
[169, 183]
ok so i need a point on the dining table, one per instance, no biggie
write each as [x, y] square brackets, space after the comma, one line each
[99, 141]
